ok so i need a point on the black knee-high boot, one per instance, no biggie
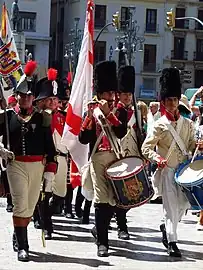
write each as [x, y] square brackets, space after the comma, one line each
[22, 243]
[9, 207]
[122, 223]
[68, 202]
[45, 209]
[56, 204]
[37, 215]
[103, 215]
[121, 219]
[78, 203]
[86, 212]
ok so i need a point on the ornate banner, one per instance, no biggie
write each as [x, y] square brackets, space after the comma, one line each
[10, 65]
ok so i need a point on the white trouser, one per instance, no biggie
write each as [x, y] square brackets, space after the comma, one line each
[175, 203]
[59, 187]
[24, 180]
[103, 192]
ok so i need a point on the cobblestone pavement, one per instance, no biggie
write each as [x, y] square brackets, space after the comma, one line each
[73, 246]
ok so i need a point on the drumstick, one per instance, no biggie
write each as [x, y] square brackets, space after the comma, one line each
[195, 153]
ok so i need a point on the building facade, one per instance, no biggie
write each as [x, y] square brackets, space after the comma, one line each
[35, 23]
[181, 48]
[184, 46]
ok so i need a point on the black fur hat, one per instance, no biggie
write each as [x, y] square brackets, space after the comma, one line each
[126, 79]
[105, 77]
[170, 83]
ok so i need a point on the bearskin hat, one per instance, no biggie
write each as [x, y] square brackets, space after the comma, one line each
[126, 79]
[170, 83]
[105, 77]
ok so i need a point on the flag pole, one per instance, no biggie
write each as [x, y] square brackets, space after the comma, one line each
[3, 106]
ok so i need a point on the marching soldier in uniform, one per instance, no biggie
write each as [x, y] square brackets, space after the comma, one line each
[51, 91]
[105, 85]
[168, 158]
[32, 144]
[126, 87]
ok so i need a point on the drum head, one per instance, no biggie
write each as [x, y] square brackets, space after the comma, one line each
[190, 173]
[125, 167]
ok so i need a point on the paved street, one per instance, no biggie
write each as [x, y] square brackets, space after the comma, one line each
[74, 248]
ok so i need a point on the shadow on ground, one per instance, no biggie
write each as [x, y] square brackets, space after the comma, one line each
[53, 258]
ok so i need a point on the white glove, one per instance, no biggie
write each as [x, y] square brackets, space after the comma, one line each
[6, 154]
[49, 178]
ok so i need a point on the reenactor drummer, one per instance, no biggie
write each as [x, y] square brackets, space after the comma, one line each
[126, 88]
[105, 85]
[168, 157]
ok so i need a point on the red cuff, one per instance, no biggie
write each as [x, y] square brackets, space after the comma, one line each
[113, 119]
[51, 167]
[87, 123]
[159, 160]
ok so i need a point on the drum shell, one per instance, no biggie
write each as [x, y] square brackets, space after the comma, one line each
[131, 190]
[194, 189]
[193, 194]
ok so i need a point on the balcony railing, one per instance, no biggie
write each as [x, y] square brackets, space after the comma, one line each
[149, 67]
[151, 28]
[182, 24]
[198, 56]
[179, 55]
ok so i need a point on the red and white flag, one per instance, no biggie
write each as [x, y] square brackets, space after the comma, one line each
[81, 94]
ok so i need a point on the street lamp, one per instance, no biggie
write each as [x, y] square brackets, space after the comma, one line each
[131, 41]
[110, 53]
[72, 49]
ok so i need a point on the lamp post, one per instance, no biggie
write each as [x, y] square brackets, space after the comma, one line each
[110, 53]
[130, 42]
[72, 49]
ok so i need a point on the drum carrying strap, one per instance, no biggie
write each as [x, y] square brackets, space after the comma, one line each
[96, 145]
[176, 135]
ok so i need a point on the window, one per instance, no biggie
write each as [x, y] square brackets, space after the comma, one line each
[151, 20]
[148, 89]
[180, 12]
[200, 17]
[149, 57]
[199, 50]
[125, 16]
[100, 51]
[28, 21]
[198, 78]
[200, 45]
[100, 16]
[179, 46]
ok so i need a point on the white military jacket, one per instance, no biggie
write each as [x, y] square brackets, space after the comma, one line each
[161, 139]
